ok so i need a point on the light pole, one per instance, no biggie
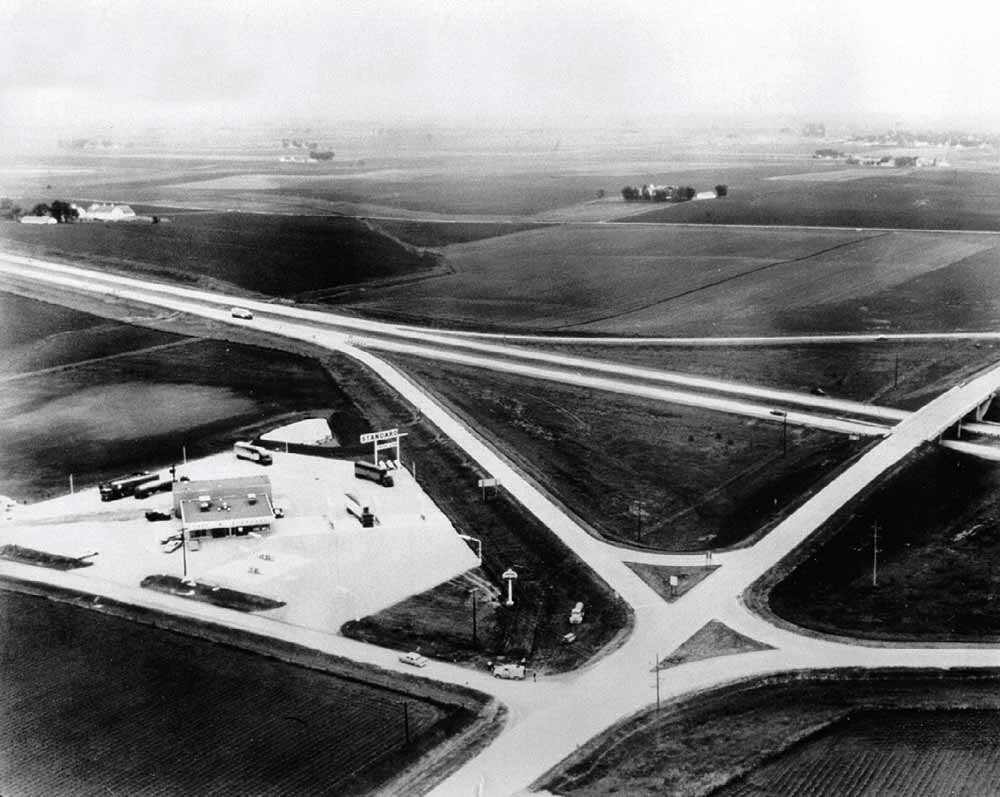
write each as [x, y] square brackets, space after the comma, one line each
[510, 577]
[875, 554]
[784, 430]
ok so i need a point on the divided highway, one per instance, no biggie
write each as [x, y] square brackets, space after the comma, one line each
[797, 409]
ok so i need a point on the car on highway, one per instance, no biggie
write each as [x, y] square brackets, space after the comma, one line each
[414, 659]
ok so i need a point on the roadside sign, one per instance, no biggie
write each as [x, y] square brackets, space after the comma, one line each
[387, 438]
[387, 434]
[487, 483]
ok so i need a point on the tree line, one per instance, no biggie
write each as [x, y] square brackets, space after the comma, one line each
[665, 193]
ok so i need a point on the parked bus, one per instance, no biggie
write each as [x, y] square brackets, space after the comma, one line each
[125, 485]
[253, 453]
[373, 473]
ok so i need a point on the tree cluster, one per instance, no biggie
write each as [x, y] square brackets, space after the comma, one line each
[63, 212]
[654, 193]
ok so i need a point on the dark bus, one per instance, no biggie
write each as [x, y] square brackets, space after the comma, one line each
[373, 473]
[125, 485]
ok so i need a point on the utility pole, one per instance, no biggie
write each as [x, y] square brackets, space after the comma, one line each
[406, 720]
[875, 554]
[895, 374]
[475, 637]
[184, 454]
[71, 484]
[657, 684]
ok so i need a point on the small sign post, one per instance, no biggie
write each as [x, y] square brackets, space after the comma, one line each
[489, 484]
[674, 581]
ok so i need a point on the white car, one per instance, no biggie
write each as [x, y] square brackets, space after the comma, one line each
[509, 672]
[414, 659]
[171, 545]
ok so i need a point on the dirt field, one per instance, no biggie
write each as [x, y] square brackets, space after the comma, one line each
[939, 526]
[857, 729]
[278, 255]
[900, 753]
[104, 705]
[621, 279]
[701, 479]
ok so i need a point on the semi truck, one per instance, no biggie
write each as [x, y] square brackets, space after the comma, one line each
[151, 488]
[113, 489]
[253, 453]
[373, 473]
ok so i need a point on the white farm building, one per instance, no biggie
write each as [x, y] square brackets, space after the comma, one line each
[108, 212]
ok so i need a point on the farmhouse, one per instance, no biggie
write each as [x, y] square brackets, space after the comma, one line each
[224, 507]
[108, 212]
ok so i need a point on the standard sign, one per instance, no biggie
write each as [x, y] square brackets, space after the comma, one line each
[487, 483]
[388, 434]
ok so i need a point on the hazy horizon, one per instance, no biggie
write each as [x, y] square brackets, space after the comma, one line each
[96, 65]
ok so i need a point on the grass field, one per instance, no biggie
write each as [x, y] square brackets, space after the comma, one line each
[90, 397]
[905, 374]
[925, 198]
[701, 479]
[95, 704]
[857, 730]
[277, 255]
[939, 527]
[621, 279]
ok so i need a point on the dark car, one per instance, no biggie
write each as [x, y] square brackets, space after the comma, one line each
[154, 515]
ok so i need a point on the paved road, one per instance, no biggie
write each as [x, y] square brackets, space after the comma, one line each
[549, 719]
[798, 408]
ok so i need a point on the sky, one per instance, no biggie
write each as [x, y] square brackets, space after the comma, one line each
[151, 63]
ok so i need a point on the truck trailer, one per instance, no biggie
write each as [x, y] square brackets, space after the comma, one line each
[253, 453]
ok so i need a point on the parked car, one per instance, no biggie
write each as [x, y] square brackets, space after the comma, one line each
[153, 515]
[414, 659]
[171, 545]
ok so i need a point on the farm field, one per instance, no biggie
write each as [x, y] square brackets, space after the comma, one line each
[129, 397]
[898, 374]
[700, 479]
[619, 279]
[938, 726]
[97, 704]
[277, 255]
[944, 198]
[886, 753]
[938, 526]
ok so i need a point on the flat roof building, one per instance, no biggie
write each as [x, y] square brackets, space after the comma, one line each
[224, 507]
